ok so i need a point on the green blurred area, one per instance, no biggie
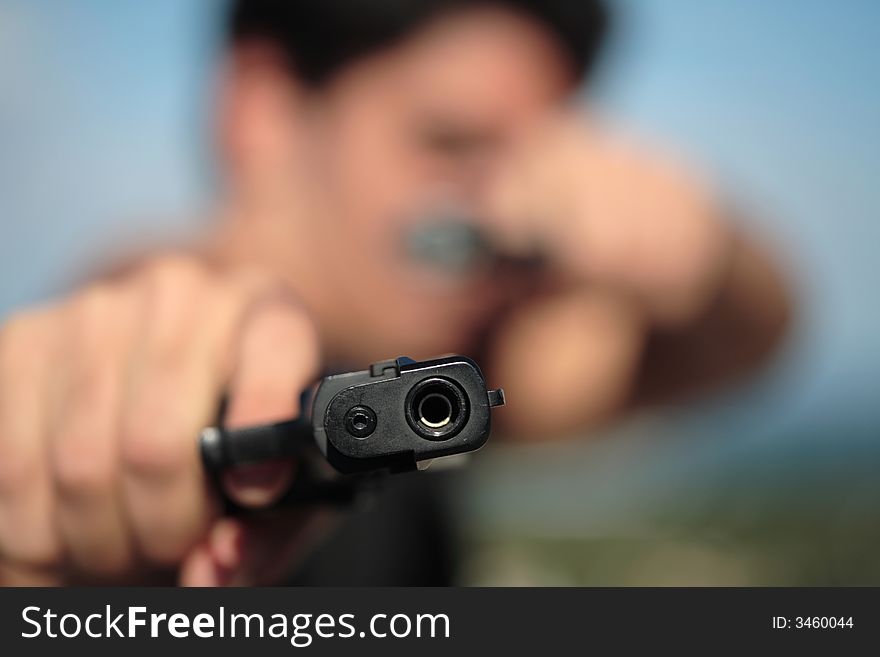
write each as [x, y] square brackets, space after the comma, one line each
[791, 512]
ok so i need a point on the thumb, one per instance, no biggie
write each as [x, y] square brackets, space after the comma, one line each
[277, 359]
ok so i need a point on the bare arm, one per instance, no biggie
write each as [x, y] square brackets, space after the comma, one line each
[585, 356]
[738, 331]
[656, 296]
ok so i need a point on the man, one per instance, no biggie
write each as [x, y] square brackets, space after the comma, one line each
[616, 282]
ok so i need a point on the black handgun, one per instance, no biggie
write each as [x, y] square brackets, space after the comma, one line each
[393, 417]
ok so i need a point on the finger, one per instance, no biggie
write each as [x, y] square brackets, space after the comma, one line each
[277, 359]
[590, 379]
[226, 542]
[199, 569]
[27, 534]
[270, 549]
[175, 380]
[212, 561]
[82, 449]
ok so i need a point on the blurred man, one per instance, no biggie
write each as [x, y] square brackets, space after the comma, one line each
[606, 279]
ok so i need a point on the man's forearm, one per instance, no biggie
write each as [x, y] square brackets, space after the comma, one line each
[740, 328]
[583, 356]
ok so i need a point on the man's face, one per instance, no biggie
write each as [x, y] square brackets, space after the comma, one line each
[408, 133]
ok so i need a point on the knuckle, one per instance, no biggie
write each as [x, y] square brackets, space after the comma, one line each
[82, 465]
[17, 470]
[16, 325]
[8, 333]
[175, 272]
[174, 293]
[152, 446]
[19, 336]
[91, 305]
[92, 393]
[90, 312]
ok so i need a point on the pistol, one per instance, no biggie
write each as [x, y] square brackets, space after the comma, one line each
[395, 416]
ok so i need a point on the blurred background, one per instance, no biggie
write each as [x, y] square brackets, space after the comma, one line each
[105, 140]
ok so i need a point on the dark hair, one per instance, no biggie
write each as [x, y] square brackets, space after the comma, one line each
[320, 37]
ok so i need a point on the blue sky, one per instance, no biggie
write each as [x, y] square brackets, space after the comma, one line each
[103, 136]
